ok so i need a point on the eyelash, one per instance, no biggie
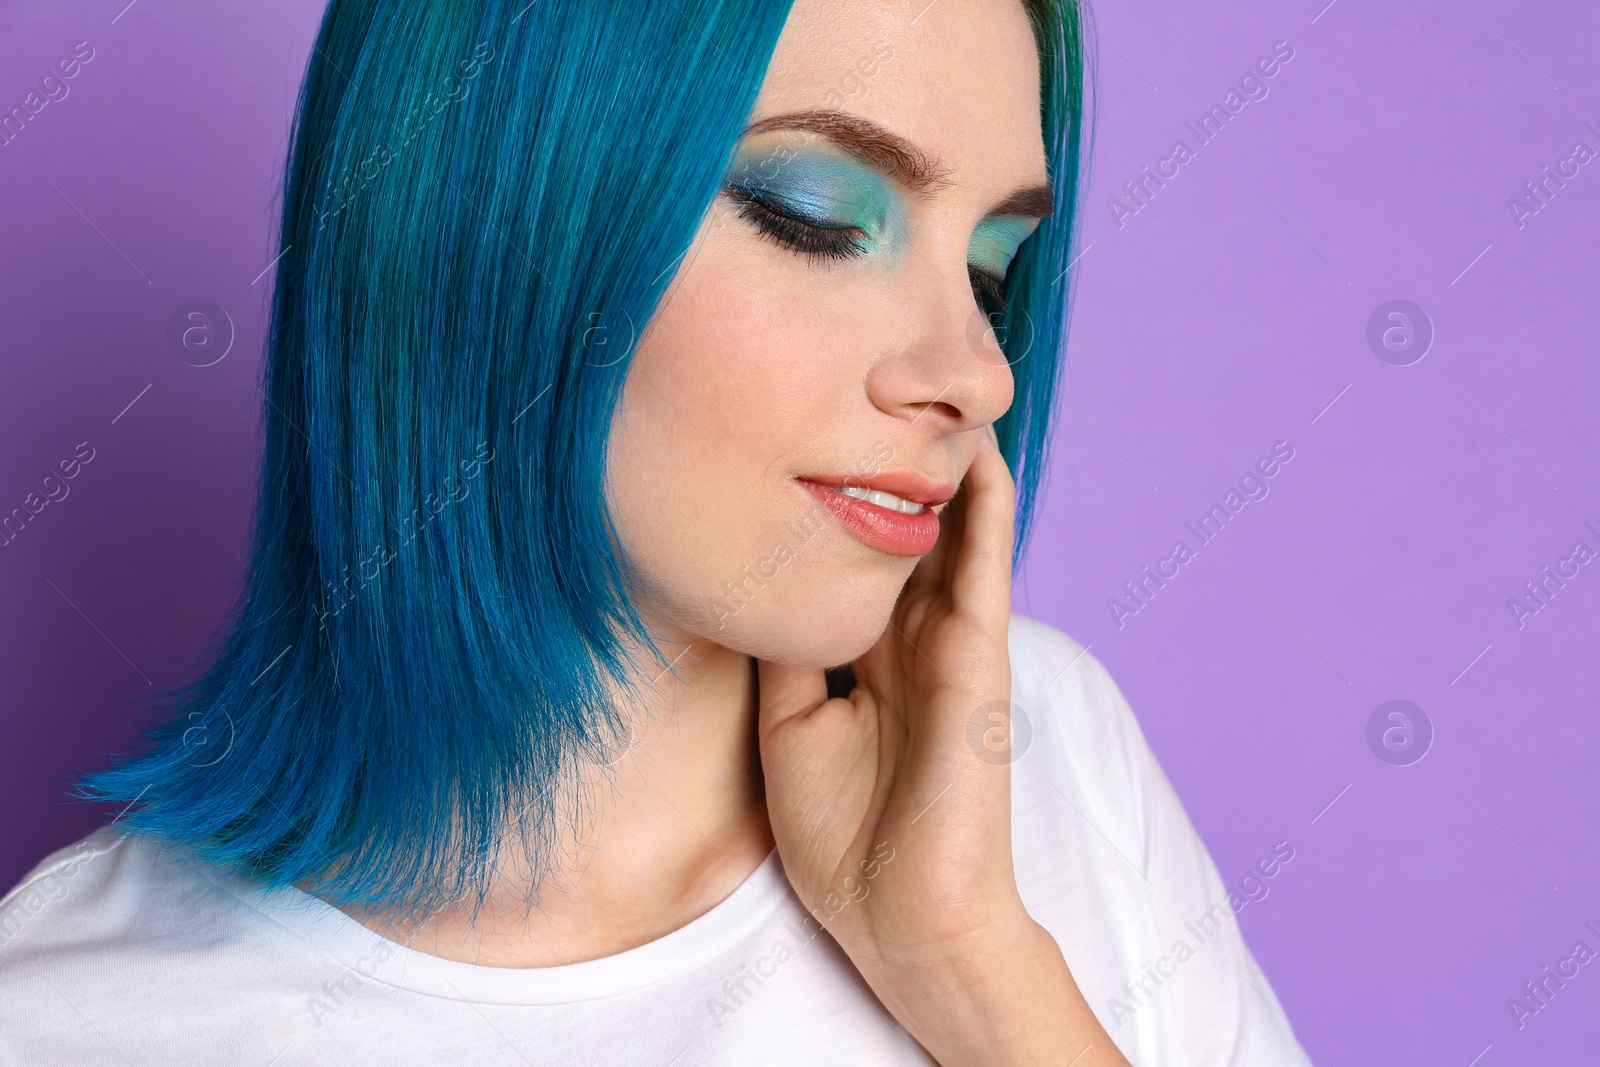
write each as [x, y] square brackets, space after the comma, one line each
[830, 243]
[986, 289]
[807, 238]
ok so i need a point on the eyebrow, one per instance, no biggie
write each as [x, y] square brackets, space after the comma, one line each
[898, 157]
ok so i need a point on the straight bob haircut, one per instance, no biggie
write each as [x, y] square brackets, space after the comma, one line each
[485, 200]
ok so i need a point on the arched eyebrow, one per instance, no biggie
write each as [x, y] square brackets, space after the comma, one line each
[898, 157]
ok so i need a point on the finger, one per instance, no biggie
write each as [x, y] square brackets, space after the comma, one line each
[931, 576]
[935, 571]
[785, 692]
[980, 582]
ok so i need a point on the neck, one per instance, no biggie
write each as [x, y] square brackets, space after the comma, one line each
[676, 823]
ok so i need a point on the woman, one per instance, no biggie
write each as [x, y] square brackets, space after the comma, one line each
[631, 366]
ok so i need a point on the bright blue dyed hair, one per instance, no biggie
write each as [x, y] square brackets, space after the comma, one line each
[434, 611]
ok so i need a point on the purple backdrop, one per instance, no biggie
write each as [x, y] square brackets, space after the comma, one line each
[1239, 295]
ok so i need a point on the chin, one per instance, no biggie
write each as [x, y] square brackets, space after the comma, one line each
[831, 639]
[817, 620]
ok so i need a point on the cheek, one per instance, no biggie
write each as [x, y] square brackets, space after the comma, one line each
[746, 374]
[718, 394]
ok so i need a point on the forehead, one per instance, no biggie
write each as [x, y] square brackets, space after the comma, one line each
[958, 78]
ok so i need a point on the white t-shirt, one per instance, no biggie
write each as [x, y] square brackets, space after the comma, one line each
[113, 951]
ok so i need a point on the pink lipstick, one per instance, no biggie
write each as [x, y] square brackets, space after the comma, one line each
[891, 511]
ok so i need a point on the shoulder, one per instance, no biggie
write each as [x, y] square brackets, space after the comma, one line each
[1088, 760]
[1085, 783]
[106, 896]
[37, 904]
[123, 930]
[1057, 669]
[119, 928]
[1109, 862]
[1072, 704]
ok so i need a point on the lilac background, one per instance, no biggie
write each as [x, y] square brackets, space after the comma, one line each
[1229, 313]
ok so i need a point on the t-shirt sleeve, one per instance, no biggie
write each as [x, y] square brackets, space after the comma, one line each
[1224, 1011]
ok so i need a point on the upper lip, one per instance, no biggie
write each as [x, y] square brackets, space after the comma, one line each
[910, 485]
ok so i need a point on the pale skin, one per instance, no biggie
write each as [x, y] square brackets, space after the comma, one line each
[763, 366]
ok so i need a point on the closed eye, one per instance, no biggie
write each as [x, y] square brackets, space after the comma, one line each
[843, 242]
[796, 234]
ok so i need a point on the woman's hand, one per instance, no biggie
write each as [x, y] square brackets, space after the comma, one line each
[892, 807]
[878, 796]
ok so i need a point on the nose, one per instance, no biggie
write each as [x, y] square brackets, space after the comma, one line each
[945, 369]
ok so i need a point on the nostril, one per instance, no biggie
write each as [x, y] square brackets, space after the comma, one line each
[938, 408]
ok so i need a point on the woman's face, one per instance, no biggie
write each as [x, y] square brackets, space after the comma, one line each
[828, 329]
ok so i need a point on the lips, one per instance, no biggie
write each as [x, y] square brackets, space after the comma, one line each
[891, 512]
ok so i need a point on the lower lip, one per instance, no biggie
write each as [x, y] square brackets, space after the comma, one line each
[889, 531]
